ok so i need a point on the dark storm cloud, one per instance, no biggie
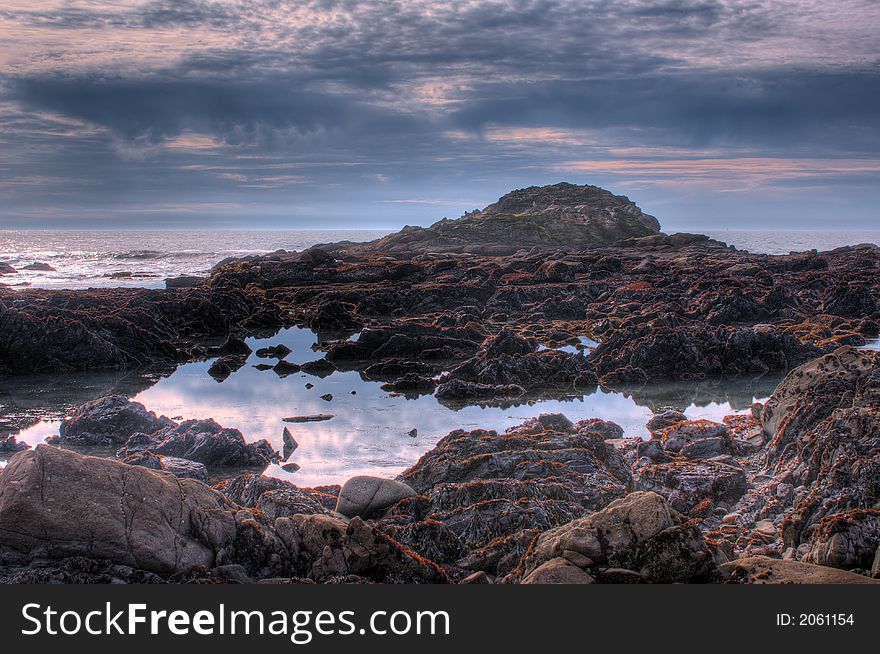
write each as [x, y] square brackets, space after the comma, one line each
[233, 110]
[776, 108]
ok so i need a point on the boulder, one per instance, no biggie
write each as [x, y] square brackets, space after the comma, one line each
[639, 532]
[109, 420]
[224, 366]
[764, 570]
[56, 503]
[364, 495]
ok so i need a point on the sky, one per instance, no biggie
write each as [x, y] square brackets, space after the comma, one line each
[709, 114]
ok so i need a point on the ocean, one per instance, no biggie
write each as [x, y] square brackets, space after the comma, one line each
[90, 259]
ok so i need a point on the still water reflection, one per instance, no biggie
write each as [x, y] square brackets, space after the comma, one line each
[370, 431]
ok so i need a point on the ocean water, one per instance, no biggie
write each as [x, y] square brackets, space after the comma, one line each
[88, 259]
[783, 242]
[369, 433]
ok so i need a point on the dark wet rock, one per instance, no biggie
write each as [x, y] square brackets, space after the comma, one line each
[284, 368]
[274, 352]
[206, 442]
[290, 467]
[184, 281]
[58, 331]
[171, 464]
[334, 315]
[9, 445]
[410, 383]
[319, 368]
[484, 488]
[407, 342]
[317, 257]
[501, 555]
[544, 369]
[289, 442]
[398, 368]
[319, 417]
[109, 420]
[327, 397]
[224, 366]
[263, 366]
[6, 269]
[458, 390]
[664, 419]
[364, 495]
[580, 460]
[638, 354]
[821, 465]
[506, 342]
[234, 346]
[639, 532]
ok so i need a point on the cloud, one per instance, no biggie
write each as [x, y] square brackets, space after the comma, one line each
[332, 105]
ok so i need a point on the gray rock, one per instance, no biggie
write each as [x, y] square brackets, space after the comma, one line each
[363, 495]
[639, 532]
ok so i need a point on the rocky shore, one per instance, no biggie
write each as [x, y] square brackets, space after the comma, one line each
[790, 495]
[475, 311]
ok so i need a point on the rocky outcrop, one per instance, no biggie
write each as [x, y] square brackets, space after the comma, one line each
[483, 495]
[638, 533]
[558, 216]
[364, 495]
[109, 420]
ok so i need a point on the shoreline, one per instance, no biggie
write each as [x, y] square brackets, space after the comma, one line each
[594, 297]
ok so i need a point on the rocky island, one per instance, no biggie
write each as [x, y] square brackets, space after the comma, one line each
[473, 311]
